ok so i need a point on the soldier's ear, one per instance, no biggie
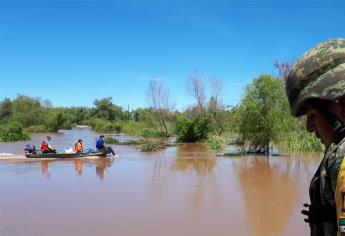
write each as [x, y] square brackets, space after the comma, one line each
[338, 108]
[342, 102]
[343, 111]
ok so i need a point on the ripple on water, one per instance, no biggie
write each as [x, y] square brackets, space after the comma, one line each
[10, 156]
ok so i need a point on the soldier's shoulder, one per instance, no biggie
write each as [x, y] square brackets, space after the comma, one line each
[336, 150]
[337, 156]
[340, 151]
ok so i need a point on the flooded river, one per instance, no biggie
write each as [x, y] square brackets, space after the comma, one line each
[184, 190]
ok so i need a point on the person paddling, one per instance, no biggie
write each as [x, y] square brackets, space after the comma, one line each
[100, 145]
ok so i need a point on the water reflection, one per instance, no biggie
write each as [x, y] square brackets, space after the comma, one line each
[78, 166]
[196, 165]
[270, 191]
[44, 168]
[194, 157]
[100, 164]
[198, 158]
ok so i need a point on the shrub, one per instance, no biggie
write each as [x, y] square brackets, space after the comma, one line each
[152, 133]
[13, 131]
[36, 128]
[101, 125]
[117, 127]
[152, 145]
[193, 130]
[215, 142]
[133, 128]
[110, 140]
[301, 140]
[67, 125]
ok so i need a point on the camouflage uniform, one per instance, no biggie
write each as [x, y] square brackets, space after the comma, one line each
[320, 74]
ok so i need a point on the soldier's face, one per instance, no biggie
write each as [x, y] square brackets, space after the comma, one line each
[320, 126]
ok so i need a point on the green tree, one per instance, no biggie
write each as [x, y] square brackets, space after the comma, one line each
[217, 112]
[264, 112]
[5, 110]
[27, 111]
[56, 121]
[80, 114]
[105, 109]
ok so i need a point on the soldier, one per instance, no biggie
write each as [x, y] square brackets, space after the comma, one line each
[315, 87]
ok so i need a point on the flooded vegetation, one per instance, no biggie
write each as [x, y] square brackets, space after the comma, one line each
[171, 118]
[180, 190]
[202, 186]
[261, 119]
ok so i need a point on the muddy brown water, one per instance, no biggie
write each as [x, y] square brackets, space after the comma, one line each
[184, 190]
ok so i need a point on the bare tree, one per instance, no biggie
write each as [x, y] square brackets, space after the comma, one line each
[216, 88]
[215, 105]
[159, 100]
[197, 89]
[283, 68]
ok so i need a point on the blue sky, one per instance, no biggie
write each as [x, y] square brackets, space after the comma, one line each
[73, 52]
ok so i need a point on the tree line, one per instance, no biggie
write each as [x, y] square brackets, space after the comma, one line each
[259, 121]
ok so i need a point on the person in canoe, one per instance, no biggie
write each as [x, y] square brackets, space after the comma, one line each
[100, 145]
[46, 146]
[78, 147]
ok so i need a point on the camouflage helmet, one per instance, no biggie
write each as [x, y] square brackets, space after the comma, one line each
[319, 73]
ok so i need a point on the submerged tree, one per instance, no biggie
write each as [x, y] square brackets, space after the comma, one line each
[215, 107]
[264, 112]
[159, 99]
[197, 89]
[192, 130]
